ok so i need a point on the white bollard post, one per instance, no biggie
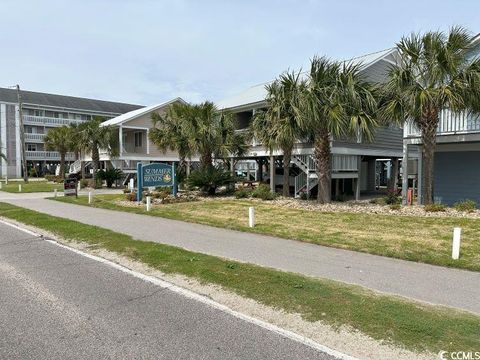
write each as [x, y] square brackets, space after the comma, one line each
[55, 192]
[251, 217]
[79, 187]
[149, 202]
[131, 184]
[0, 185]
[456, 243]
[89, 197]
[19, 187]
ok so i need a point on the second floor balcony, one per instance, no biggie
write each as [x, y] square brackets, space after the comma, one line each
[449, 124]
[48, 121]
[34, 138]
[47, 155]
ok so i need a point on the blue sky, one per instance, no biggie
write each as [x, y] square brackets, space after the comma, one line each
[146, 52]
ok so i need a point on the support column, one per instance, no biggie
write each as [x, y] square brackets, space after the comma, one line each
[420, 176]
[18, 145]
[405, 173]
[3, 139]
[357, 181]
[148, 143]
[395, 173]
[188, 167]
[272, 173]
[120, 140]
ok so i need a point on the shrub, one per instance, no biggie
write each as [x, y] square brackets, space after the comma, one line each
[303, 195]
[263, 192]
[435, 207]
[131, 196]
[84, 183]
[392, 198]
[162, 192]
[54, 178]
[465, 205]
[209, 179]
[395, 207]
[110, 176]
[243, 193]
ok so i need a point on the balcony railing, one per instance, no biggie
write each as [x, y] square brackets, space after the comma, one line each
[47, 155]
[48, 121]
[34, 137]
[449, 124]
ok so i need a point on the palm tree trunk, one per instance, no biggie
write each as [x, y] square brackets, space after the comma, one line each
[182, 165]
[62, 165]
[323, 160]
[287, 155]
[95, 164]
[206, 160]
[429, 139]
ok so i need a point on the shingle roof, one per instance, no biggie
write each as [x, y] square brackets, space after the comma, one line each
[138, 112]
[66, 102]
[257, 94]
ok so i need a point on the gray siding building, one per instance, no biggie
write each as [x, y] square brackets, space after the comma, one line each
[42, 112]
[357, 165]
[457, 153]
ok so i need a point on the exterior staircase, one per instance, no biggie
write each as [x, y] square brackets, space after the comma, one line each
[76, 166]
[307, 179]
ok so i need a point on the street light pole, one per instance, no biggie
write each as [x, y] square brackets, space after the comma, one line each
[22, 134]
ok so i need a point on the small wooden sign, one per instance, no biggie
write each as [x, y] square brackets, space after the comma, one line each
[70, 187]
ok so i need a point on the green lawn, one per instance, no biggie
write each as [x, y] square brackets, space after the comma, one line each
[32, 186]
[409, 324]
[422, 239]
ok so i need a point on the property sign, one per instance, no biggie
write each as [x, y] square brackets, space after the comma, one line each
[156, 174]
[70, 187]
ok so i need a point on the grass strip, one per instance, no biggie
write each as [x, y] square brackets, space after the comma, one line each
[30, 187]
[415, 326]
[420, 239]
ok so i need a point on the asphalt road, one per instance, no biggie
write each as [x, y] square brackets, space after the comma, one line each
[57, 304]
[433, 284]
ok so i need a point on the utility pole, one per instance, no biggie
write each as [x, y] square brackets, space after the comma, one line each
[22, 135]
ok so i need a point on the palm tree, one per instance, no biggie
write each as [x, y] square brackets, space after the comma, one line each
[198, 129]
[279, 127]
[93, 137]
[59, 139]
[169, 132]
[433, 74]
[338, 103]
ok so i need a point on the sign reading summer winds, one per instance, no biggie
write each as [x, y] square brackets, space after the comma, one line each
[153, 175]
[157, 175]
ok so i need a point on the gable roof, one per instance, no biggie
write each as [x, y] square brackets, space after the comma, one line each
[255, 95]
[66, 102]
[138, 112]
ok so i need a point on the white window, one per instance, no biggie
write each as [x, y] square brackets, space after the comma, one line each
[31, 147]
[138, 139]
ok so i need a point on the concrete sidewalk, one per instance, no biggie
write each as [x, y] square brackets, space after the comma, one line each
[433, 284]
